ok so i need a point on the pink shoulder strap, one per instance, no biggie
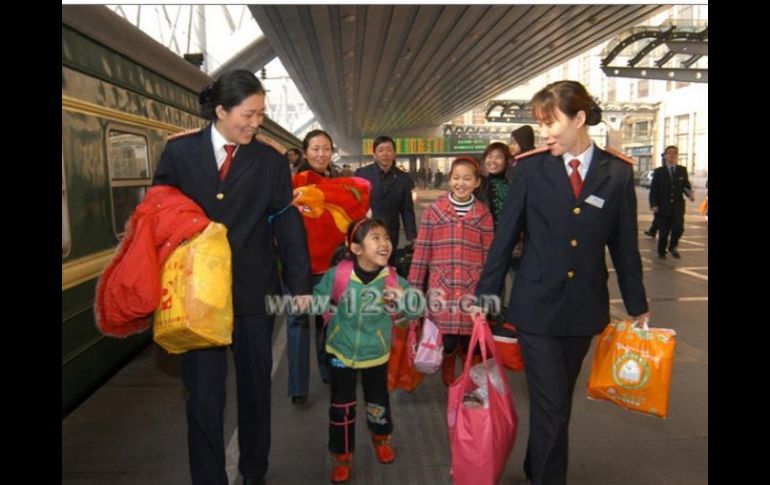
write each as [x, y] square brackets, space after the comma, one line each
[341, 279]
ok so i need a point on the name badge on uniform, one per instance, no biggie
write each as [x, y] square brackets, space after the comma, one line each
[595, 201]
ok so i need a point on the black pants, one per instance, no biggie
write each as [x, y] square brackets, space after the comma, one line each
[342, 412]
[203, 374]
[673, 226]
[453, 341]
[552, 365]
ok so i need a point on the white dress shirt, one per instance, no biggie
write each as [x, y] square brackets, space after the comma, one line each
[585, 161]
[219, 142]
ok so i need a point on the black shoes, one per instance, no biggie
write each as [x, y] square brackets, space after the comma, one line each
[254, 481]
[650, 234]
[661, 256]
[299, 399]
[674, 253]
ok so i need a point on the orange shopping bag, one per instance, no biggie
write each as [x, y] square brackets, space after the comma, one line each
[704, 206]
[632, 367]
[401, 371]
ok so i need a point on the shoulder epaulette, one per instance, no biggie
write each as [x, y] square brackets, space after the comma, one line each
[183, 133]
[620, 155]
[530, 152]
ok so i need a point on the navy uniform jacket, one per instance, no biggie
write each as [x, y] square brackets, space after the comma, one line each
[392, 200]
[560, 287]
[667, 194]
[257, 185]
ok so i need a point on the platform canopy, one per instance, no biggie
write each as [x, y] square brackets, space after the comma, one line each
[366, 70]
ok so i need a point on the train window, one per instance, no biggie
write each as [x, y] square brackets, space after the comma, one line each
[128, 158]
[65, 215]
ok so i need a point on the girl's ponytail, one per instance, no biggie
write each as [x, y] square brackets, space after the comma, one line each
[342, 252]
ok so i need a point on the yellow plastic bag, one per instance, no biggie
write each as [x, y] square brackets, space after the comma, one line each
[632, 367]
[196, 308]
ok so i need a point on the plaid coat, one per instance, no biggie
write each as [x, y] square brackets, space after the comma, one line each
[449, 253]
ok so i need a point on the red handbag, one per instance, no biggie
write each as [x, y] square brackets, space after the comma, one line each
[481, 437]
[506, 340]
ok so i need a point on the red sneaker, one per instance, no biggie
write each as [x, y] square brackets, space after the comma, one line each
[382, 448]
[342, 463]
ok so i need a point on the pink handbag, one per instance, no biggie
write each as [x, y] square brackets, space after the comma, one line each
[429, 353]
[481, 438]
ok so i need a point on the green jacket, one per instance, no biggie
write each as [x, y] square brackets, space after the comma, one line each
[359, 339]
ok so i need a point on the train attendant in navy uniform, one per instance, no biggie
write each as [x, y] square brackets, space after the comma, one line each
[255, 184]
[668, 188]
[559, 299]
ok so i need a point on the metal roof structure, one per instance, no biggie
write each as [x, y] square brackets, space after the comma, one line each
[376, 69]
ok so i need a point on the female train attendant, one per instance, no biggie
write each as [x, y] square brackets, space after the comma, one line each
[239, 182]
[571, 199]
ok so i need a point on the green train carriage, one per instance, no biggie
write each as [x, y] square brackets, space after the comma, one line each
[123, 94]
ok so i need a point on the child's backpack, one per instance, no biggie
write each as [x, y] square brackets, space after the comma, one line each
[341, 279]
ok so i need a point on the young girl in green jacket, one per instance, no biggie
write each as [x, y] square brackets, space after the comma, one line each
[358, 339]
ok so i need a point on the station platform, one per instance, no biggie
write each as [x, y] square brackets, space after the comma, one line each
[133, 430]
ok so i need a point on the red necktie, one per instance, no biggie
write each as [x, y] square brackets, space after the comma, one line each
[574, 178]
[230, 149]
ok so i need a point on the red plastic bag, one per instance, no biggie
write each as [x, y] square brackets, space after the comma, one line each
[481, 438]
[507, 344]
[401, 371]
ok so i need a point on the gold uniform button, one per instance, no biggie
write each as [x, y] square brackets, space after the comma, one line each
[576, 210]
[570, 274]
[220, 196]
[573, 243]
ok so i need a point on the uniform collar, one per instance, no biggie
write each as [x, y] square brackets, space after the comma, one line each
[585, 160]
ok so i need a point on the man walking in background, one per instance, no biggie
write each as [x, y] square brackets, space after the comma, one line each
[669, 187]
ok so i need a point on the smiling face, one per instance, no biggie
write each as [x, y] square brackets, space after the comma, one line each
[319, 153]
[374, 250]
[463, 181]
[240, 123]
[495, 161]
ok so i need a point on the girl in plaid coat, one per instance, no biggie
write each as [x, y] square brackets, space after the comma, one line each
[451, 247]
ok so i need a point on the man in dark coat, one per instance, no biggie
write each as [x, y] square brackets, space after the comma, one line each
[391, 196]
[667, 191]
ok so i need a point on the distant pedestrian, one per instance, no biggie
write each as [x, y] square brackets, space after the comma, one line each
[669, 187]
